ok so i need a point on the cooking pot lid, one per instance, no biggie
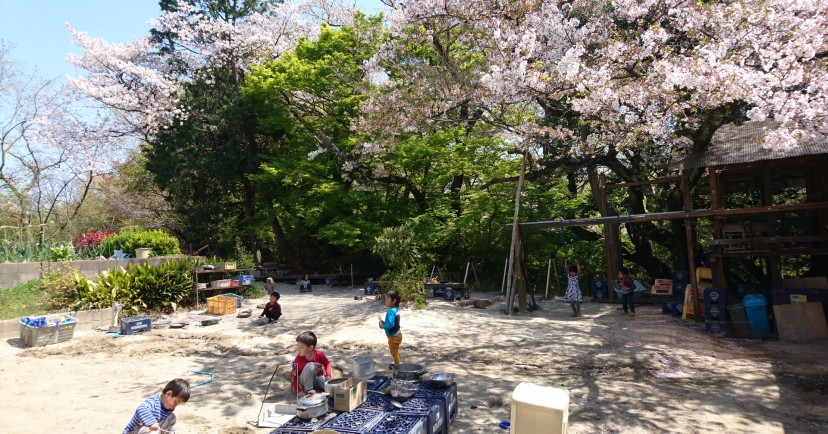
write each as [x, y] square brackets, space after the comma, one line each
[363, 359]
[313, 399]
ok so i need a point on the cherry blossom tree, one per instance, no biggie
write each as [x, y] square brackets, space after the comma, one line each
[52, 149]
[622, 85]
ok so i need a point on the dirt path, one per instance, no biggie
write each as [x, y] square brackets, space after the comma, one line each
[645, 374]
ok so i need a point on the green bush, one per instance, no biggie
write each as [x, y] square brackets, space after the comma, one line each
[409, 284]
[61, 252]
[138, 287]
[130, 239]
[61, 286]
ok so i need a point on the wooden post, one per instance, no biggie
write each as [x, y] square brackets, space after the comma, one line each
[548, 273]
[716, 203]
[609, 236]
[515, 235]
[688, 233]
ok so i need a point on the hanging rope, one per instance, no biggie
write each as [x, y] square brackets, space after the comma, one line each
[634, 240]
[572, 238]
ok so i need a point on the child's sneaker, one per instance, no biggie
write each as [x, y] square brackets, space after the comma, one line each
[632, 313]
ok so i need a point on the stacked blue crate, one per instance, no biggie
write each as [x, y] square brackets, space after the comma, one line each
[297, 425]
[448, 395]
[600, 289]
[377, 401]
[680, 281]
[379, 383]
[715, 306]
[358, 421]
[432, 408]
[394, 423]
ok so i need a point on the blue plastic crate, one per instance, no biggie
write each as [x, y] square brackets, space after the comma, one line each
[677, 308]
[666, 307]
[371, 288]
[433, 408]
[379, 383]
[378, 402]
[239, 299]
[715, 327]
[448, 395]
[358, 421]
[400, 424]
[715, 296]
[297, 425]
[135, 324]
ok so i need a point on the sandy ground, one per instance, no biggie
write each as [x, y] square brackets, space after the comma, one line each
[647, 374]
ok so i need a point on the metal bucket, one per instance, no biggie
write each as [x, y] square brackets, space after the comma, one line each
[363, 366]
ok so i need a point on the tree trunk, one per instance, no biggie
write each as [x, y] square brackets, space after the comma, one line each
[284, 247]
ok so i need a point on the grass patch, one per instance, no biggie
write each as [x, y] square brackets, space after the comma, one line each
[23, 300]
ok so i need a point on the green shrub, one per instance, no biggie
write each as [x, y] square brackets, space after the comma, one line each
[61, 252]
[409, 284]
[138, 287]
[61, 286]
[130, 239]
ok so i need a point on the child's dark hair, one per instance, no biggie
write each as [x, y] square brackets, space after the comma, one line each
[624, 270]
[307, 338]
[275, 294]
[573, 268]
[180, 389]
[394, 295]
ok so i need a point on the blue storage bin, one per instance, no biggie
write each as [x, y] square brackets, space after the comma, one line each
[448, 395]
[400, 424]
[239, 299]
[715, 327]
[135, 324]
[371, 288]
[757, 314]
[432, 408]
[449, 295]
[677, 308]
[357, 421]
[666, 307]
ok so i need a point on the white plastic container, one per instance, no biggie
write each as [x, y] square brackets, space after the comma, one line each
[539, 409]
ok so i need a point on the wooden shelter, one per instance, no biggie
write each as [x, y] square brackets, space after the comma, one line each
[792, 184]
[768, 203]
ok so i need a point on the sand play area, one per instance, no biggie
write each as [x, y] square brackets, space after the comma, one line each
[647, 374]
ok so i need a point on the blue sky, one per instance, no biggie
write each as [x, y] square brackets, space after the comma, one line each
[41, 41]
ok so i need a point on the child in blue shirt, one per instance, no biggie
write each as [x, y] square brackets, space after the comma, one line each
[157, 411]
[391, 325]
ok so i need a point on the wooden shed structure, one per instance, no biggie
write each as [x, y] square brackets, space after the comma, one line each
[764, 203]
[790, 184]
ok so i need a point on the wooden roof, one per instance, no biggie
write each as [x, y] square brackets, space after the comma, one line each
[734, 144]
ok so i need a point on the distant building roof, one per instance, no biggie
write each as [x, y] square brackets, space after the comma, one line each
[732, 144]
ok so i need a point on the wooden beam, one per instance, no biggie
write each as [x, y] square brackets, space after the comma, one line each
[691, 256]
[662, 180]
[672, 215]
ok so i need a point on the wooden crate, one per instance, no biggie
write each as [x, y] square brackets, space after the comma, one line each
[221, 305]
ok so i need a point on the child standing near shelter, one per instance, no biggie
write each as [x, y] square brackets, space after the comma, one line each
[157, 411]
[573, 287]
[311, 369]
[391, 325]
[272, 309]
[627, 285]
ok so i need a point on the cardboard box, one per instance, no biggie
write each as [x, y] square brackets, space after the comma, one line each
[349, 394]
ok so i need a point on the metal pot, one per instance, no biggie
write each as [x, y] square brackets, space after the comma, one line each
[363, 366]
[312, 406]
[333, 383]
[442, 379]
[408, 371]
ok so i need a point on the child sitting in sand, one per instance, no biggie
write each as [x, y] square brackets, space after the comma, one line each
[157, 411]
